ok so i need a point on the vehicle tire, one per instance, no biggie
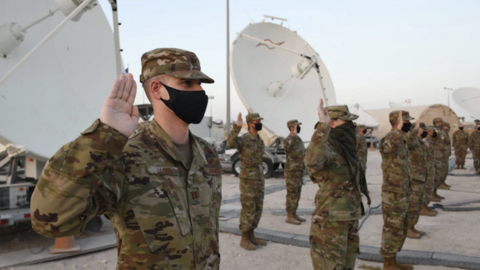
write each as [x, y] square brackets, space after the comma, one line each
[267, 167]
[236, 166]
[95, 224]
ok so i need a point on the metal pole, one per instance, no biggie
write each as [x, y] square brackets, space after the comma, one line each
[47, 37]
[227, 131]
[448, 94]
[116, 35]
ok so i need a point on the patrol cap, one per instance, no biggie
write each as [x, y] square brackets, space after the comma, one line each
[476, 120]
[447, 124]
[422, 125]
[340, 111]
[253, 116]
[292, 123]
[429, 127]
[174, 62]
[361, 126]
[405, 114]
[438, 119]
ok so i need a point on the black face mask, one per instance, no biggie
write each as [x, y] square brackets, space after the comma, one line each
[406, 127]
[258, 126]
[478, 128]
[435, 134]
[190, 106]
[298, 129]
[461, 128]
[424, 134]
[364, 131]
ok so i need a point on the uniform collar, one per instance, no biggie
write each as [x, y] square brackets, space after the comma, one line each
[167, 145]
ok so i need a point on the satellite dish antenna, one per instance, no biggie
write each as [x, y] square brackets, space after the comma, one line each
[468, 99]
[278, 74]
[59, 90]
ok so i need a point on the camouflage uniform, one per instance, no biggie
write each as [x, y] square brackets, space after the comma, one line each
[334, 230]
[460, 143]
[448, 151]
[396, 188]
[252, 182]
[439, 145]
[362, 151]
[431, 160]
[418, 173]
[294, 166]
[474, 145]
[165, 216]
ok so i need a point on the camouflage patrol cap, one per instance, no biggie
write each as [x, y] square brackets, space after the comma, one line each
[253, 116]
[405, 114]
[340, 111]
[292, 123]
[174, 62]
[361, 126]
[438, 119]
[422, 125]
[447, 124]
[476, 120]
[429, 127]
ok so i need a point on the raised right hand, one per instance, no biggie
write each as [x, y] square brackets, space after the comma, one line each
[239, 120]
[322, 113]
[400, 120]
[118, 110]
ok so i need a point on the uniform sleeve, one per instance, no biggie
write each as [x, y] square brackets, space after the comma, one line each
[454, 138]
[390, 142]
[361, 150]
[287, 144]
[82, 180]
[412, 139]
[315, 157]
[233, 141]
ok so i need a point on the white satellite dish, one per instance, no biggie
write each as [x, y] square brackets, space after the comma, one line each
[278, 74]
[468, 98]
[59, 90]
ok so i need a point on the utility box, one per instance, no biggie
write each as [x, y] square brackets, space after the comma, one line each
[33, 168]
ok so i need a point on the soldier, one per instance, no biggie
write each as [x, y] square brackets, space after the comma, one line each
[252, 183]
[430, 182]
[460, 145]
[362, 151]
[333, 164]
[448, 153]
[160, 188]
[418, 173]
[439, 144]
[474, 145]
[294, 166]
[396, 189]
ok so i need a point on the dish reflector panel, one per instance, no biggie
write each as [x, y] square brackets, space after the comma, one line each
[468, 99]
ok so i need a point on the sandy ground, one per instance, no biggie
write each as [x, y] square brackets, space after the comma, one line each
[449, 232]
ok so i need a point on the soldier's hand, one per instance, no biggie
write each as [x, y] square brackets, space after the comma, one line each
[322, 113]
[118, 110]
[400, 120]
[239, 120]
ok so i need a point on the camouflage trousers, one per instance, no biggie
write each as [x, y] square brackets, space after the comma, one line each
[252, 192]
[415, 202]
[335, 244]
[395, 209]
[439, 172]
[428, 189]
[294, 182]
[460, 154]
[476, 158]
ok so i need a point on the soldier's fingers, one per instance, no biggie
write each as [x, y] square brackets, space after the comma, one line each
[133, 93]
[114, 91]
[121, 87]
[128, 87]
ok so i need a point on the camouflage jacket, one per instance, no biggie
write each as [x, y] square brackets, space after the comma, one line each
[395, 163]
[338, 197]
[295, 150]
[474, 141]
[430, 150]
[418, 156]
[362, 151]
[460, 139]
[448, 145]
[164, 215]
[251, 152]
[439, 144]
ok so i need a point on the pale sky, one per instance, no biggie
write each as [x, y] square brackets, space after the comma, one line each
[376, 51]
